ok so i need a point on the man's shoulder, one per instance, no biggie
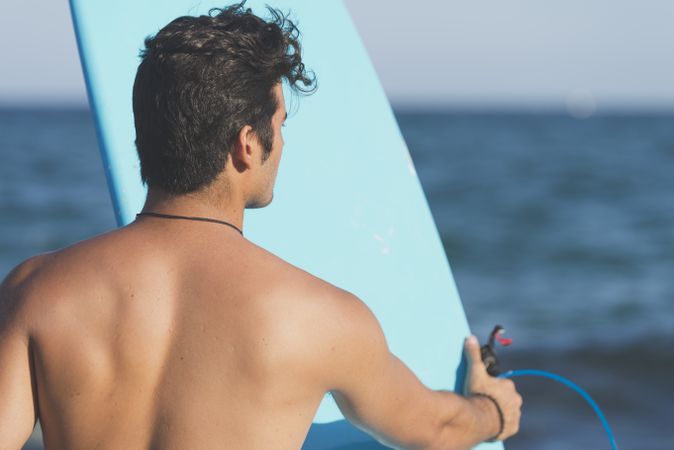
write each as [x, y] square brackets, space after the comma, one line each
[45, 276]
[327, 316]
[15, 290]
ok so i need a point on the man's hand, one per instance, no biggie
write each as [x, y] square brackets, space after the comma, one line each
[478, 381]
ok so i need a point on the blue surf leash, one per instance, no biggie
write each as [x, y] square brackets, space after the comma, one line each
[492, 364]
[572, 385]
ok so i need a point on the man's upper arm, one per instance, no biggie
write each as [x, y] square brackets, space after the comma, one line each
[17, 407]
[373, 388]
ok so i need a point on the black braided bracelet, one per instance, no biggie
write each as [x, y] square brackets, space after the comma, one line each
[498, 410]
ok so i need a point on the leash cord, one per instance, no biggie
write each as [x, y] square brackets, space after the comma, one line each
[572, 385]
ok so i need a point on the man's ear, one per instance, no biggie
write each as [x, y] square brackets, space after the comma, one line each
[243, 149]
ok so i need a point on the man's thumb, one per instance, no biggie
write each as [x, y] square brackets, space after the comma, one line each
[472, 350]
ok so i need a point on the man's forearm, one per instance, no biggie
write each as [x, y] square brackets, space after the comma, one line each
[464, 422]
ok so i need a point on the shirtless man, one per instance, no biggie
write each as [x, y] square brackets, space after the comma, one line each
[181, 334]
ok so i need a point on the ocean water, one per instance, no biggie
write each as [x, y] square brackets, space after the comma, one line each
[560, 229]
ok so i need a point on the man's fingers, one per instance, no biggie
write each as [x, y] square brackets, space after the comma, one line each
[472, 350]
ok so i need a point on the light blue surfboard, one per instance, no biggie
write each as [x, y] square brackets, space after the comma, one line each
[348, 206]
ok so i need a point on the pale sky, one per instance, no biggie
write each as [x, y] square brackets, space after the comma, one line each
[573, 53]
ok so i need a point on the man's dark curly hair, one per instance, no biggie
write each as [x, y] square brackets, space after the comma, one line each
[200, 81]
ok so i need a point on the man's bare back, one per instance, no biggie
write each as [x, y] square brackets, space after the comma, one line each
[142, 340]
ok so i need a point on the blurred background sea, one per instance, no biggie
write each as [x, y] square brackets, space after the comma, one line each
[561, 229]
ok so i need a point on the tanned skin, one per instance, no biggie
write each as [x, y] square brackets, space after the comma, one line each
[171, 334]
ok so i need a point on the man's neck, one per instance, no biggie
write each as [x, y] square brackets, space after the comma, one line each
[200, 204]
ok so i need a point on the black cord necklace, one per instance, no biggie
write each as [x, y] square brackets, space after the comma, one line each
[198, 219]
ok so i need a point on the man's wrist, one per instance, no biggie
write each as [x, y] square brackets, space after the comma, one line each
[490, 405]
